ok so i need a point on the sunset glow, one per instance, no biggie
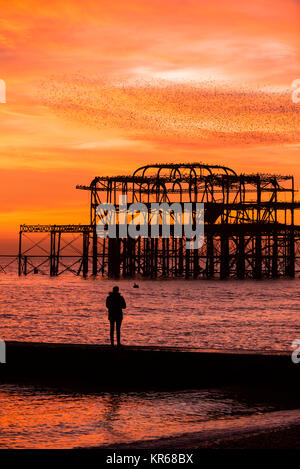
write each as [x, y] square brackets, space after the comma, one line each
[97, 88]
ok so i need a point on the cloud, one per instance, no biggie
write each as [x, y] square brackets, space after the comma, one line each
[107, 143]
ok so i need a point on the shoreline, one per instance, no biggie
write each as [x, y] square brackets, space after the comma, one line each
[270, 430]
[143, 367]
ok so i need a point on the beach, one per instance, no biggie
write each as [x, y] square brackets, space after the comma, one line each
[275, 430]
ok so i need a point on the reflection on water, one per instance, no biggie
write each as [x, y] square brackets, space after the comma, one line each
[253, 315]
[30, 418]
[231, 315]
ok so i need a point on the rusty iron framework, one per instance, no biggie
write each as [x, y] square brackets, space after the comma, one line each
[250, 229]
[61, 253]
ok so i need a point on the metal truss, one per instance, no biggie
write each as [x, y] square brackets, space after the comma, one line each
[250, 229]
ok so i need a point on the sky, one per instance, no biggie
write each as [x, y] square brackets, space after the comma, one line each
[102, 87]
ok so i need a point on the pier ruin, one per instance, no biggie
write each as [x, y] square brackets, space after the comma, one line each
[249, 232]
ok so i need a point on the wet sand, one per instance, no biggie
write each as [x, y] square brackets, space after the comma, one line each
[273, 430]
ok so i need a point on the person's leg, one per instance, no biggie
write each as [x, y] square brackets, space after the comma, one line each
[118, 327]
[112, 330]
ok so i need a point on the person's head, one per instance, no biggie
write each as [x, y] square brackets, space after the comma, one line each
[116, 289]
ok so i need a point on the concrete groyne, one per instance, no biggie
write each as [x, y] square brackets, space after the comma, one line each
[101, 366]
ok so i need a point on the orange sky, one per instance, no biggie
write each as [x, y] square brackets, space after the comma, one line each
[101, 87]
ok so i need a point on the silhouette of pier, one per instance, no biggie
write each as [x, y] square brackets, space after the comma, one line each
[249, 228]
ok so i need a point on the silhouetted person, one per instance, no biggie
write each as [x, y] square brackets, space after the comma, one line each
[115, 303]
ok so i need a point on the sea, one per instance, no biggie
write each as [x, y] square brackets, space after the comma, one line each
[232, 315]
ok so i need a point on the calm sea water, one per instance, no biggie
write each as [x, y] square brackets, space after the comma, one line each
[33, 418]
[230, 315]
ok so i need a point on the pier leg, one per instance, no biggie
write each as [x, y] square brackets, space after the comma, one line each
[258, 258]
[275, 256]
[95, 252]
[180, 256]
[52, 253]
[114, 260]
[175, 255]
[240, 261]
[85, 254]
[20, 255]
[224, 266]
[103, 256]
[155, 256]
[133, 246]
[163, 257]
[195, 263]
[210, 256]
[290, 269]
[187, 263]
[168, 257]
[57, 254]
[146, 256]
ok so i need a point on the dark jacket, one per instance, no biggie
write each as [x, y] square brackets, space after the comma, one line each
[115, 303]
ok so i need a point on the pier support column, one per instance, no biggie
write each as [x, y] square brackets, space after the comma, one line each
[163, 257]
[153, 257]
[114, 258]
[85, 253]
[195, 263]
[224, 264]
[240, 258]
[168, 256]
[290, 266]
[132, 256]
[52, 253]
[95, 252]
[258, 258]
[174, 255]
[210, 256]
[180, 256]
[275, 256]
[57, 254]
[20, 255]
[187, 262]
[146, 244]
